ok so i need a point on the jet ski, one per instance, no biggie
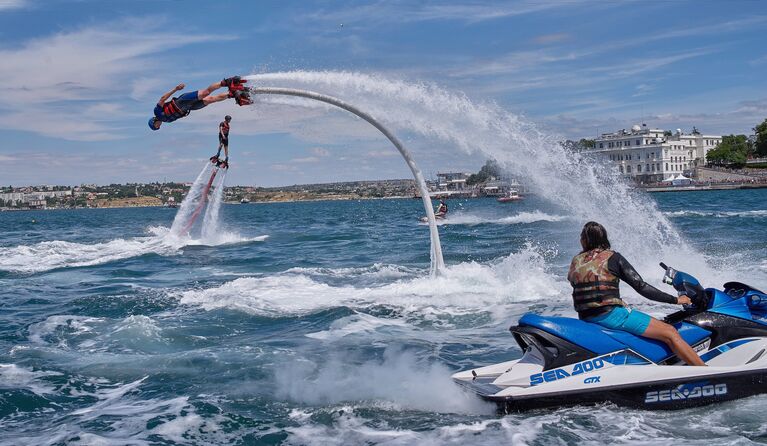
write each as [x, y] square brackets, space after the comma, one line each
[567, 361]
[425, 219]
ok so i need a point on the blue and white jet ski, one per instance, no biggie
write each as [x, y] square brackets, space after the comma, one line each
[567, 361]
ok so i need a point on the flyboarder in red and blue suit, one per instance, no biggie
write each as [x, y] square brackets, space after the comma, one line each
[181, 106]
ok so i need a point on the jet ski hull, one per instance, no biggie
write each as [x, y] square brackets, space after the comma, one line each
[679, 393]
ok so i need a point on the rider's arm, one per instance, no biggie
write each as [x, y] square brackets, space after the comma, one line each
[619, 266]
[221, 130]
[165, 97]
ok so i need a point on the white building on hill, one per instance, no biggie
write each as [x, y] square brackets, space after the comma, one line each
[647, 155]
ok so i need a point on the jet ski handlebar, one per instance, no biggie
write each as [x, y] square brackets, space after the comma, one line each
[687, 285]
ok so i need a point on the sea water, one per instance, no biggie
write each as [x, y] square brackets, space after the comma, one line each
[329, 331]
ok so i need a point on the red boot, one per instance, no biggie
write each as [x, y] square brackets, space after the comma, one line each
[241, 97]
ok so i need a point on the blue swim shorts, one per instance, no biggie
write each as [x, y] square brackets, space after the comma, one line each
[625, 319]
[190, 101]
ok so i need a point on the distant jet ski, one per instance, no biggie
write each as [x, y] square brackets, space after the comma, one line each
[567, 361]
[440, 213]
[436, 216]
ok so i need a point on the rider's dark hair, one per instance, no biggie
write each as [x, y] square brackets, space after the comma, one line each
[594, 236]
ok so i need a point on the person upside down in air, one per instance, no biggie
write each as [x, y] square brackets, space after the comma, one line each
[180, 106]
[223, 143]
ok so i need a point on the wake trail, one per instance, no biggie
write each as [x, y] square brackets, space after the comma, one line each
[196, 223]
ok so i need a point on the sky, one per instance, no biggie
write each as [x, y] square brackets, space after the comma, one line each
[82, 77]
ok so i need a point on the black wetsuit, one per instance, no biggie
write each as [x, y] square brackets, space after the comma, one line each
[623, 270]
[223, 133]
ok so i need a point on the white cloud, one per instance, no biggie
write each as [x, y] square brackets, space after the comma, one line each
[552, 38]
[643, 90]
[283, 167]
[739, 118]
[382, 12]
[759, 60]
[319, 151]
[13, 4]
[382, 153]
[308, 159]
[62, 80]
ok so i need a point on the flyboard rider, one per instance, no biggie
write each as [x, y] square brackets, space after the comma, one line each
[223, 143]
[180, 106]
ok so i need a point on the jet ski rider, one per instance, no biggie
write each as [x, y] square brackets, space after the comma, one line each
[595, 274]
[442, 209]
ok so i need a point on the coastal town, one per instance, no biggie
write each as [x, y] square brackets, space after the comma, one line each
[653, 159]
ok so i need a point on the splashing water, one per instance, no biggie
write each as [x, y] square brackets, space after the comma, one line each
[582, 187]
[210, 223]
[205, 194]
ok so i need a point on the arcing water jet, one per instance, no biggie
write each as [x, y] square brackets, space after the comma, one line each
[437, 262]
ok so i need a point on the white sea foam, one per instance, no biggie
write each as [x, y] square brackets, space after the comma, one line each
[463, 289]
[757, 213]
[399, 378]
[45, 256]
[359, 323]
[344, 424]
[376, 271]
[122, 415]
[135, 333]
[15, 377]
[460, 218]
[60, 329]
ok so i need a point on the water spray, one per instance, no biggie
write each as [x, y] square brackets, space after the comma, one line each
[437, 262]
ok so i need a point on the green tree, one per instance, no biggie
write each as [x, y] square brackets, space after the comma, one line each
[491, 169]
[732, 151]
[761, 139]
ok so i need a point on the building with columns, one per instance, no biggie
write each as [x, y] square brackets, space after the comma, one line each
[648, 155]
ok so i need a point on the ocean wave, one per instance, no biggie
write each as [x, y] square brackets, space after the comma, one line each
[135, 333]
[116, 415]
[462, 289]
[15, 377]
[399, 378]
[377, 271]
[49, 255]
[521, 218]
[347, 424]
[356, 324]
[759, 213]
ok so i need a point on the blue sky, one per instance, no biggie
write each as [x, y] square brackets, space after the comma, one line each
[82, 77]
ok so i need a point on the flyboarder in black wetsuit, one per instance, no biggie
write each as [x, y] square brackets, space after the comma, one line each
[223, 142]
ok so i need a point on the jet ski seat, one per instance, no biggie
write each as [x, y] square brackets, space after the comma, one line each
[601, 340]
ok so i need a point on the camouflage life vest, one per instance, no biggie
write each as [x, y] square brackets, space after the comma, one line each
[594, 286]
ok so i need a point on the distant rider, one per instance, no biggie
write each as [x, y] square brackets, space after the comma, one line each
[441, 210]
[595, 275]
[223, 142]
[180, 106]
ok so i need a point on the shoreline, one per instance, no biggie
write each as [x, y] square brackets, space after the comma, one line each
[702, 188]
[648, 189]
